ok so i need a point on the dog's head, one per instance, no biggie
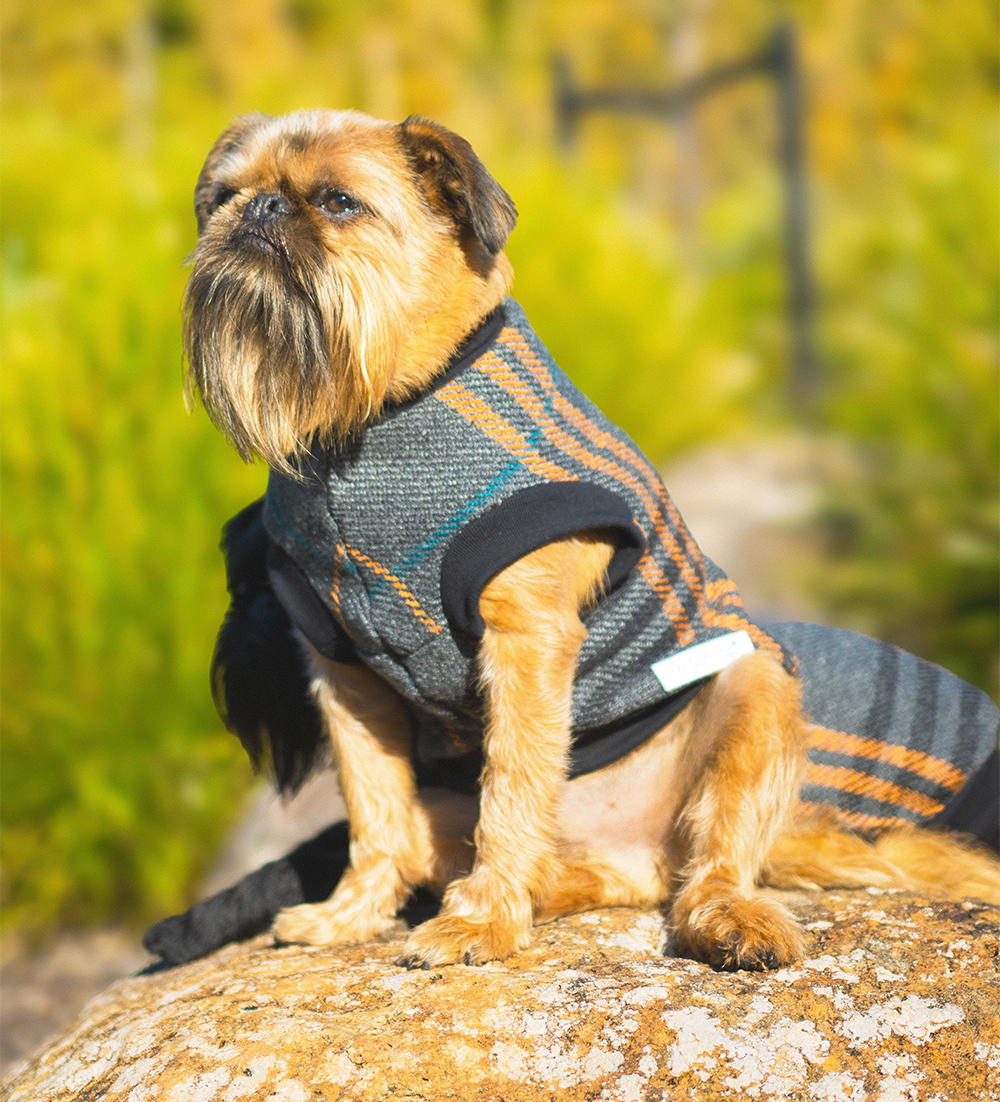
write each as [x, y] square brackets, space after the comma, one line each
[340, 260]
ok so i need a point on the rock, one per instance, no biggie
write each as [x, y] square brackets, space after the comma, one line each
[898, 998]
[45, 987]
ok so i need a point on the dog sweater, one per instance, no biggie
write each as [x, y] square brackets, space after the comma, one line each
[383, 547]
[896, 739]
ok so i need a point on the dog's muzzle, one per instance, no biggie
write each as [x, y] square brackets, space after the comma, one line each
[258, 227]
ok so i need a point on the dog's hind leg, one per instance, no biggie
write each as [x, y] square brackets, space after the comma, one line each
[391, 847]
[820, 852]
[739, 802]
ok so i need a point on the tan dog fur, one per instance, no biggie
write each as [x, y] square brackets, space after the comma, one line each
[693, 819]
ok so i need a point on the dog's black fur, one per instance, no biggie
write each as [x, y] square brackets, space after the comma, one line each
[306, 875]
[261, 688]
[260, 682]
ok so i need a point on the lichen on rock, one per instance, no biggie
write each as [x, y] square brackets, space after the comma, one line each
[897, 998]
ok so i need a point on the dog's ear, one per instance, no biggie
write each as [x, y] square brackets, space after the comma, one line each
[206, 192]
[456, 181]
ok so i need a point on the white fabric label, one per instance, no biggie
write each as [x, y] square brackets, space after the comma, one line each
[701, 660]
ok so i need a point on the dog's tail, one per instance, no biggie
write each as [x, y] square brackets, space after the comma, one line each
[820, 853]
[260, 682]
[306, 875]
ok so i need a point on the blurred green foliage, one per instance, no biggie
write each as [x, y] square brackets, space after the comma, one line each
[649, 260]
[912, 536]
[116, 775]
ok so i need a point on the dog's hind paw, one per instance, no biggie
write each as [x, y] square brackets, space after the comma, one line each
[323, 924]
[738, 933]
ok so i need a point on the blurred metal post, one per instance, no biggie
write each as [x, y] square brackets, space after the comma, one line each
[791, 152]
[778, 59]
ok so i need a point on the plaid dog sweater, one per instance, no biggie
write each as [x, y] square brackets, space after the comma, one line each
[380, 551]
[897, 739]
[397, 533]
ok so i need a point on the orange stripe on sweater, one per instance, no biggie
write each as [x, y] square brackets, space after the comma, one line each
[862, 784]
[453, 736]
[719, 588]
[514, 341]
[737, 621]
[659, 583]
[338, 576]
[413, 604]
[726, 609]
[851, 818]
[916, 761]
[501, 373]
[478, 413]
[724, 599]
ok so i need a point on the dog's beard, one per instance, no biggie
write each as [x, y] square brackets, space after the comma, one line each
[283, 354]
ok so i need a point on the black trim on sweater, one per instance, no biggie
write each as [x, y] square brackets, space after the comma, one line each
[975, 809]
[589, 750]
[474, 345]
[519, 524]
[305, 609]
[597, 747]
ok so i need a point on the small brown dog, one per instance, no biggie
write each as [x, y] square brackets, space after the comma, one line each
[341, 267]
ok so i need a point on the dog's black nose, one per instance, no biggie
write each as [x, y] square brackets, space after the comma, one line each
[265, 207]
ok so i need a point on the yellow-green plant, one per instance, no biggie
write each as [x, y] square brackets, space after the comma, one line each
[913, 552]
[117, 778]
[116, 774]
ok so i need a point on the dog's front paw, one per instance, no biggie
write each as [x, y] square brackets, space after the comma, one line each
[454, 939]
[735, 932]
[481, 919]
[362, 907]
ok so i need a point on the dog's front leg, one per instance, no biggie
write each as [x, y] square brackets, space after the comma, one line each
[391, 847]
[527, 663]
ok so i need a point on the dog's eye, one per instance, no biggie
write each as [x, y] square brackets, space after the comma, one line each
[220, 199]
[336, 202]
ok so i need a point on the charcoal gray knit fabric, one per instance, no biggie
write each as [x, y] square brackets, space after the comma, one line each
[500, 457]
[897, 737]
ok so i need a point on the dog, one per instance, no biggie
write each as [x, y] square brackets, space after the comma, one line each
[540, 696]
